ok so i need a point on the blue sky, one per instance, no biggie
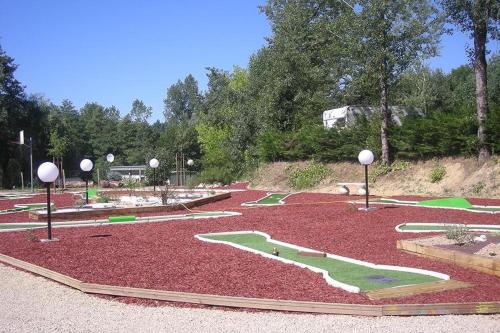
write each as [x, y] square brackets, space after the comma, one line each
[113, 52]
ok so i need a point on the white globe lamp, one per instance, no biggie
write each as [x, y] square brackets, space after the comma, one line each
[110, 158]
[190, 162]
[48, 172]
[366, 157]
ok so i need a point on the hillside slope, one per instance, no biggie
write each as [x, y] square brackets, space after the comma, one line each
[462, 177]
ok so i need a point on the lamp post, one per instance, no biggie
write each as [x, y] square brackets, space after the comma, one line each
[153, 163]
[110, 158]
[48, 172]
[86, 165]
[366, 157]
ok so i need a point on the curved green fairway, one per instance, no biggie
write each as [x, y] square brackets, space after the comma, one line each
[354, 274]
[445, 203]
[436, 227]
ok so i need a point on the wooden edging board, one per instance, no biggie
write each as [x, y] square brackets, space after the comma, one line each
[479, 263]
[260, 303]
[105, 212]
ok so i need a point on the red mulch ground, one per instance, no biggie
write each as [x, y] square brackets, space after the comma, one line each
[166, 255]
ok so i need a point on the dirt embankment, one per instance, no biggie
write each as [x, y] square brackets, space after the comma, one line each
[459, 177]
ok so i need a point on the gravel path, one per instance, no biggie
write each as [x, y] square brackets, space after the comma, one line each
[34, 304]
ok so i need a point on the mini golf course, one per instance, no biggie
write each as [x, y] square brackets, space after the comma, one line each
[349, 274]
[444, 203]
[269, 200]
[152, 262]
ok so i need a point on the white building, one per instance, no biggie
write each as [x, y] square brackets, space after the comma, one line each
[346, 115]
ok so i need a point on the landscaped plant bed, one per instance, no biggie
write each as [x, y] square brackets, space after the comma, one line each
[93, 213]
[168, 257]
[482, 256]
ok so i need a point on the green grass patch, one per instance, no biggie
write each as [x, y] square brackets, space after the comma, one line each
[272, 199]
[122, 218]
[447, 203]
[342, 271]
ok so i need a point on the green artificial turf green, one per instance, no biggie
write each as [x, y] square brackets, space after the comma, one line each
[447, 203]
[92, 192]
[272, 199]
[349, 273]
[122, 218]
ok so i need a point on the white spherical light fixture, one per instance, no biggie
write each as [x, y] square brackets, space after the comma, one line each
[47, 172]
[365, 157]
[110, 158]
[86, 165]
[190, 162]
[154, 163]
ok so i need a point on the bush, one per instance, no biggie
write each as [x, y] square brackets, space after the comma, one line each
[437, 174]
[114, 176]
[460, 234]
[311, 176]
[102, 199]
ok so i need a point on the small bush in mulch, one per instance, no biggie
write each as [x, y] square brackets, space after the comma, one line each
[460, 234]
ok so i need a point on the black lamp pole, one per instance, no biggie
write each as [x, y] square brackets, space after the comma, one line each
[366, 184]
[87, 189]
[49, 222]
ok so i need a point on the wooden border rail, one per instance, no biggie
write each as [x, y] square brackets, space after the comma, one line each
[479, 263]
[105, 212]
[260, 303]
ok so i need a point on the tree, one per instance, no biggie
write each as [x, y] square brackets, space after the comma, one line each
[140, 112]
[12, 115]
[477, 17]
[392, 35]
[183, 100]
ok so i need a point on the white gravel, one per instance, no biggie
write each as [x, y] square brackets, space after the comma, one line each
[34, 304]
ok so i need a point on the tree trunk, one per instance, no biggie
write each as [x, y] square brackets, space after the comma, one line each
[480, 31]
[384, 113]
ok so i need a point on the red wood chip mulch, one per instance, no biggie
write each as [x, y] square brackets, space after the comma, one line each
[166, 256]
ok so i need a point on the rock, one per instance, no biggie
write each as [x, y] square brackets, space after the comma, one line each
[481, 238]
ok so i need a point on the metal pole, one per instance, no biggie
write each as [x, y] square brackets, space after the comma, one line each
[22, 181]
[49, 222]
[366, 184]
[87, 190]
[31, 163]
[154, 179]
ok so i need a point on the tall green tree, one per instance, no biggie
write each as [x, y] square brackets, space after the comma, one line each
[12, 116]
[183, 100]
[479, 18]
[392, 35]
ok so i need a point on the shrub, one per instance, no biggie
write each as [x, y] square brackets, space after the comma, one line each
[114, 176]
[311, 176]
[102, 199]
[460, 234]
[437, 174]
[478, 188]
